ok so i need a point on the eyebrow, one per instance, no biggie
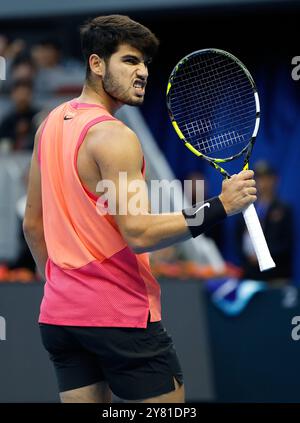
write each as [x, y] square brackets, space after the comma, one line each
[130, 56]
[133, 56]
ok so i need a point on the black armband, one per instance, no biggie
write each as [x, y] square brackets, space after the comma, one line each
[202, 216]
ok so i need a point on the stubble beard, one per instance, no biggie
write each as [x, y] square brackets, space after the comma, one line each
[114, 89]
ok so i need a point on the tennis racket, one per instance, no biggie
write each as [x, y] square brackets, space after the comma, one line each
[214, 107]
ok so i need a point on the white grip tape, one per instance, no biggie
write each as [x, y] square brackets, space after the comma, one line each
[258, 239]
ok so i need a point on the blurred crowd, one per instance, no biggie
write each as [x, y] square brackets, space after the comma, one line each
[38, 77]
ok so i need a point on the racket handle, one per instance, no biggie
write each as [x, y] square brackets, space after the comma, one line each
[258, 239]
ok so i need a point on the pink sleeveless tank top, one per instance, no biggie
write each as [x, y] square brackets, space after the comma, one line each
[93, 278]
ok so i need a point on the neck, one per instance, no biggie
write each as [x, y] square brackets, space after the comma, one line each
[96, 95]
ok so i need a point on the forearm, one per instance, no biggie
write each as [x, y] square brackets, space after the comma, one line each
[36, 243]
[154, 231]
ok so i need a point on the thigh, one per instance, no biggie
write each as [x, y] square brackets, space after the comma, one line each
[75, 367]
[175, 396]
[138, 364]
[96, 393]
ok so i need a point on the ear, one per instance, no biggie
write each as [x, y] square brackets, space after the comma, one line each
[97, 65]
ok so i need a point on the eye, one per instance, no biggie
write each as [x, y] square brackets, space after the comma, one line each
[131, 60]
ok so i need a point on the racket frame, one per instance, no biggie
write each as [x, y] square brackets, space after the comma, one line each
[250, 216]
[215, 162]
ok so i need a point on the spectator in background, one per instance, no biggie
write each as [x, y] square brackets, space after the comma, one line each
[17, 127]
[55, 74]
[10, 50]
[23, 69]
[277, 224]
[3, 45]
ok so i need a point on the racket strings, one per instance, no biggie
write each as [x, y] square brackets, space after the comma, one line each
[191, 79]
[208, 98]
[212, 102]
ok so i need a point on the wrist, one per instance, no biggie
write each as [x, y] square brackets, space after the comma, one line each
[224, 204]
[202, 216]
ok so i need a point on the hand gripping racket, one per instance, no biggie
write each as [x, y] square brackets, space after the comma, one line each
[214, 108]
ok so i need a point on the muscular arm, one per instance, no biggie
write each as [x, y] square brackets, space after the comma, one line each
[33, 220]
[115, 148]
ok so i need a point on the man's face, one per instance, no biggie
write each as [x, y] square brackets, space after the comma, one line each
[22, 96]
[125, 76]
[45, 56]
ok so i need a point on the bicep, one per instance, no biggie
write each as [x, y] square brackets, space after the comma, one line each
[120, 162]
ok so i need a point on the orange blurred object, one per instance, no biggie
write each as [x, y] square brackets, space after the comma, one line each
[16, 275]
[3, 272]
[192, 270]
[21, 275]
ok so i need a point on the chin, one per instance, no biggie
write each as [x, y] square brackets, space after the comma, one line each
[135, 102]
[140, 99]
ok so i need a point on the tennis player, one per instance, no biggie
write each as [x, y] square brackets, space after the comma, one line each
[100, 316]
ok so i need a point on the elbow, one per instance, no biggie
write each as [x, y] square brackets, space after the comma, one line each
[27, 230]
[137, 244]
[137, 249]
[27, 227]
[137, 235]
[135, 240]
[30, 227]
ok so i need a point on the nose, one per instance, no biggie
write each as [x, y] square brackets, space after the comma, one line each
[142, 70]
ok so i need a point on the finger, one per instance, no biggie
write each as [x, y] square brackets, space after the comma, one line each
[249, 183]
[250, 199]
[246, 174]
[248, 191]
[251, 191]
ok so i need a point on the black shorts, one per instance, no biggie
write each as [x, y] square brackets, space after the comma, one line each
[136, 363]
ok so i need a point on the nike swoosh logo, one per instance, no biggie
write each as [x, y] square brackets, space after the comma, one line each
[202, 207]
[68, 117]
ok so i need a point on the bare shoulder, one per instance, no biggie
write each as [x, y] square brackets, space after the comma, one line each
[112, 140]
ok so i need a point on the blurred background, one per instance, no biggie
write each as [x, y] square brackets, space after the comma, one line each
[232, 325]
